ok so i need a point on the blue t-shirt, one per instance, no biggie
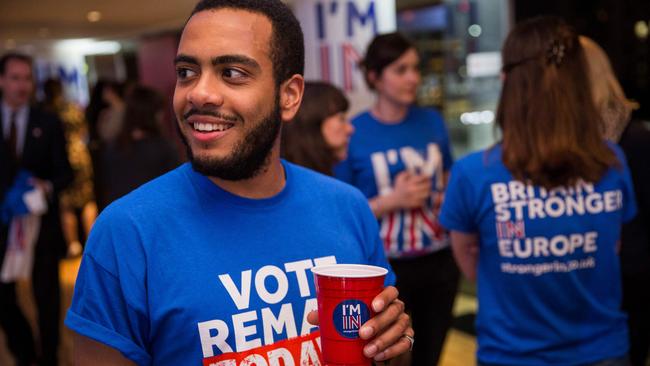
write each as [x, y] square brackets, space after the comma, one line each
[181, 272]
[548, 275]
[378, 152]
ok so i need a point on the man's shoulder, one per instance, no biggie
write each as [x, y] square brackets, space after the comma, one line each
[162, 192]
[318, 184]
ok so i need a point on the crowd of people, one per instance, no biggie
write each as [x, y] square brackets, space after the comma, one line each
[551, 221]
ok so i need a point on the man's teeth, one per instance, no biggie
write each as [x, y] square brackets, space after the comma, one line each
[209, 127]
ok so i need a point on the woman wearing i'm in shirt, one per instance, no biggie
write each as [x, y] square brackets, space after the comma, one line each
[398, 157]
[536, 218]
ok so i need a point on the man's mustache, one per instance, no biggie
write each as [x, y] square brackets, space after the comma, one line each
[211, 113]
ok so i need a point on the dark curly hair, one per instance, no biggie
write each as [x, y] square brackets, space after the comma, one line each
[287, 44]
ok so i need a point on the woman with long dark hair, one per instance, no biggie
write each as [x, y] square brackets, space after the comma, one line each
[139, 153]
[399, 157]
[318, 136]
[536, 218]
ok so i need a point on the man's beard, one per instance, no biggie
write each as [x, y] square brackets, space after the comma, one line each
[249, 156]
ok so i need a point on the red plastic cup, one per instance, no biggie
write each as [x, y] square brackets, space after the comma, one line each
[344, 293]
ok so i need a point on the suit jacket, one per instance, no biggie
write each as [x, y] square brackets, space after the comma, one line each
[44, 155]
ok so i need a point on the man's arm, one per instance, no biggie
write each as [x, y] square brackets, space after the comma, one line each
[89, 352]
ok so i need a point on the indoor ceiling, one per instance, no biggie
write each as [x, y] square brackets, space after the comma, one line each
[26, 21]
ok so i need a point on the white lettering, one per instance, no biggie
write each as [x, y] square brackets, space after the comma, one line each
[300, 268]
[505, 248]
[536, 208]
[556, 211]
[499, 192]
[559, 245]
[208, 341]
[519, 209]
[594, 203]
[254, 359]
[280, 354]
[284, 320]
[517, 190]
[590, 242]
[575, 204]
[308, 355]
[242, 331]
[240, 298]
[280, 278]
[611, 200]
[540, 245]
[525, 251]
[502, 211]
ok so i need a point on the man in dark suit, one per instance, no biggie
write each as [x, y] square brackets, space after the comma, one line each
[32, 140]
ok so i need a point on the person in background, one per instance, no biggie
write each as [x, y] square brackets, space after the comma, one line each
[111, 118]
[139, 154]
[536, 218]
[33, 143]
[78, 200]
[633, 135]
[319, 135]
[399, 157]
[100, 114]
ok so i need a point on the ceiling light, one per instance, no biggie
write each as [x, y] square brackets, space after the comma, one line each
[94, 16]
[474, 30]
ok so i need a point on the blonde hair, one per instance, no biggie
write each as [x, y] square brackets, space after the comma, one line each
[607, 93]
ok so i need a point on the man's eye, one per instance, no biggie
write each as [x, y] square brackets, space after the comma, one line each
[184, 73]
[233, 74]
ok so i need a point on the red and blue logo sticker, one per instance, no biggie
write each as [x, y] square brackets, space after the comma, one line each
[348, 317]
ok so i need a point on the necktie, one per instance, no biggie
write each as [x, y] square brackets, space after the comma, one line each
[13, 136]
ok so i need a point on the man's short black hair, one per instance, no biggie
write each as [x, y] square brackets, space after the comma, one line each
[4, 60]
[287, 45]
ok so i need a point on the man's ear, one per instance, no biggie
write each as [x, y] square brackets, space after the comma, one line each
[291, 96]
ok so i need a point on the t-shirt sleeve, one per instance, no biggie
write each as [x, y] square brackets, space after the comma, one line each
[374, 248]
[457, 208]
[629, 199]
[109, 302]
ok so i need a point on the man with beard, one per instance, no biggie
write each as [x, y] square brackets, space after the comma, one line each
[211, 262]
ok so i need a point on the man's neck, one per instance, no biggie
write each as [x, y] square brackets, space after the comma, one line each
[269, 182]
[387, 111]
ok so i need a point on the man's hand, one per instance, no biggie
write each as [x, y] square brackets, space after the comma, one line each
[386, 330]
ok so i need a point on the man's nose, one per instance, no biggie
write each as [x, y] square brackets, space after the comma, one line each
[206, 91]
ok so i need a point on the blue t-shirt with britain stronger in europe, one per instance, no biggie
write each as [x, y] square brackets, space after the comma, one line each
[378, 152]
[181, 272]
[549, 288]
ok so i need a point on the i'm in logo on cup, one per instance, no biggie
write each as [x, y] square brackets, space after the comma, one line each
[348, 317]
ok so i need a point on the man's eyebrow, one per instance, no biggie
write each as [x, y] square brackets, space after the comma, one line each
[186, 59]
[236, 59]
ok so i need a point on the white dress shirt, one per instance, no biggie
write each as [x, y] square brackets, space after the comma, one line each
[22, 116]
